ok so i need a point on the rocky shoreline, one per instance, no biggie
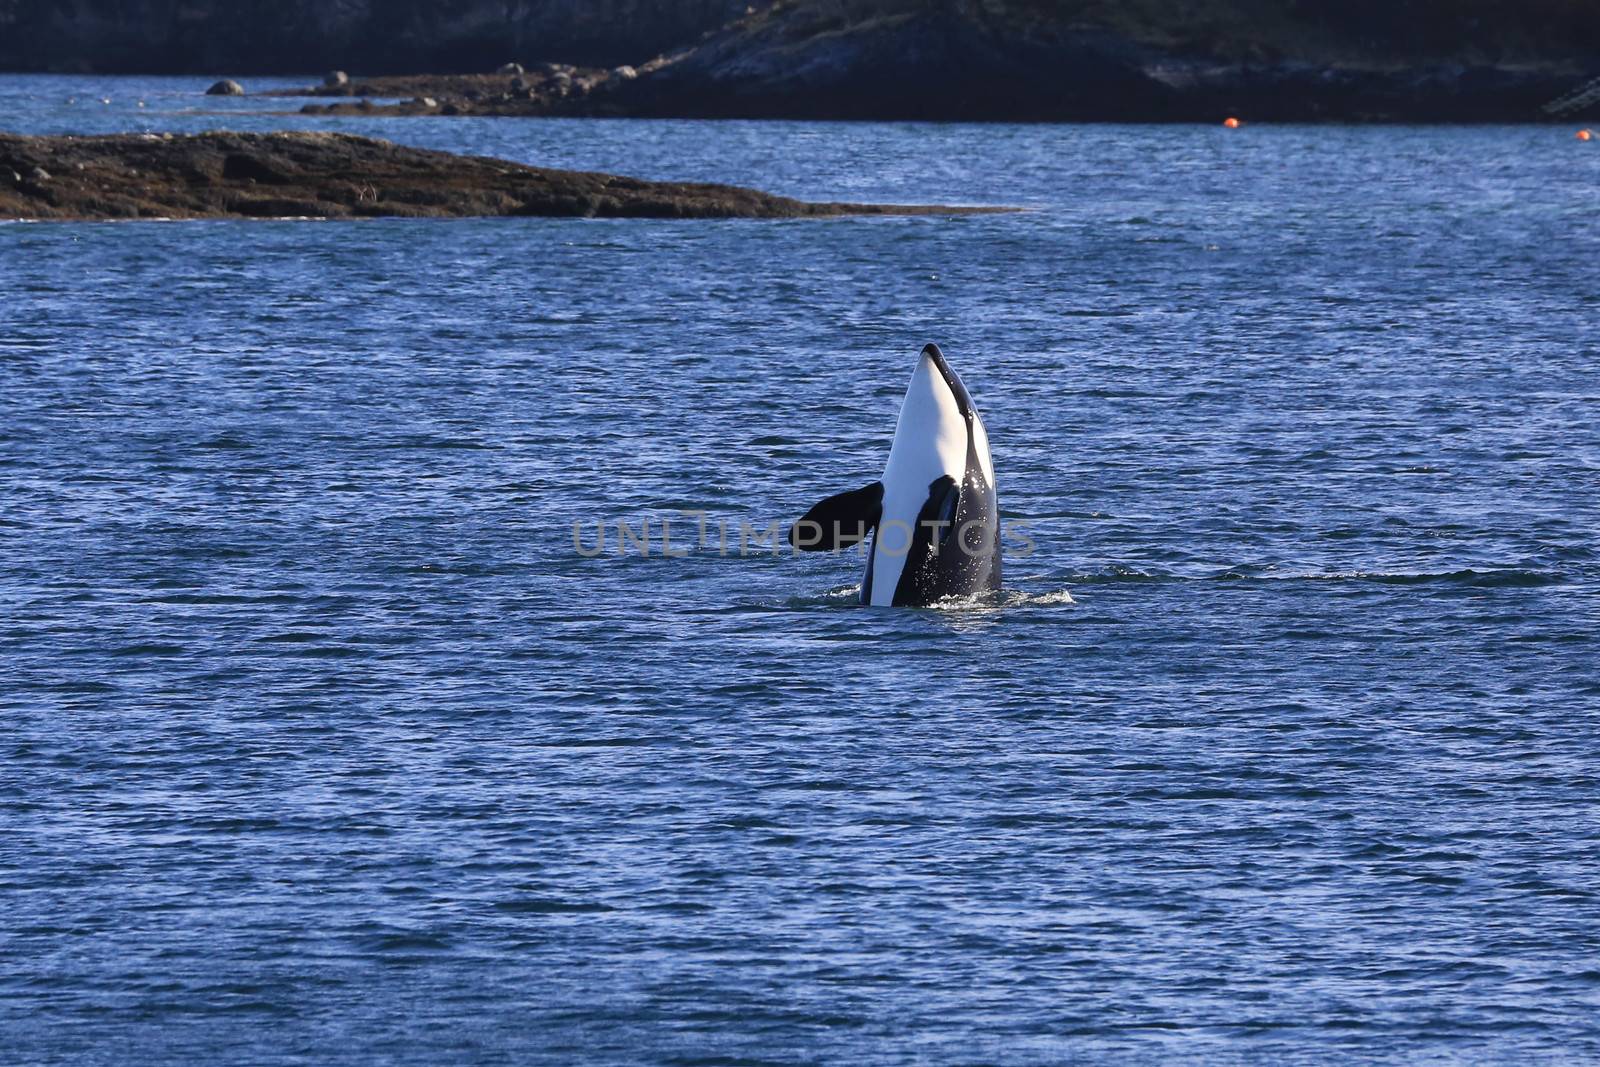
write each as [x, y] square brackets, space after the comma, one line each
[543, 89]
[325, 175]
[1171, 91]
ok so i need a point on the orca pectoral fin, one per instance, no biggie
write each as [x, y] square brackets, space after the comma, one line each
[839, 521]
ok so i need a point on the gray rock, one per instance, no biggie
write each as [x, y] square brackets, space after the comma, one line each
[336, 79]
[226, 87]
[13, 177]
[510, 68]
[313, 109]
[518, 84]
[38, 174]
[426, 101]
[625, 73]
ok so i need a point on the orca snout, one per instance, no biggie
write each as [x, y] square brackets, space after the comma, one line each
[952, 380]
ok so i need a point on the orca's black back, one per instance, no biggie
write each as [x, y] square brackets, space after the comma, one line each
[960, 557]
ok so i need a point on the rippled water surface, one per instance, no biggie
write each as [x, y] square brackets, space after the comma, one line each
[323, 745]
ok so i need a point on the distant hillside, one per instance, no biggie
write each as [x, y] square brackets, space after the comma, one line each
[372, 36]
[1446, 60]
[408, 36]
[1471, 32]
[1361, 60]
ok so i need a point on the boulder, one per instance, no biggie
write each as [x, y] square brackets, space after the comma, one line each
[226, 87]
[38, 174]
[336, 79]
[426, 101]
[625, 73]
[510, 68]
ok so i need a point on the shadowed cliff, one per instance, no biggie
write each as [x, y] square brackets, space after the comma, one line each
[1134, 60]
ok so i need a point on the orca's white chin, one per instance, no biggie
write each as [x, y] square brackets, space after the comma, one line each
[930, 442]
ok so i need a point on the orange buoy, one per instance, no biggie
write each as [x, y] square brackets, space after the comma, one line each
[1231, 122]
[1584, 135]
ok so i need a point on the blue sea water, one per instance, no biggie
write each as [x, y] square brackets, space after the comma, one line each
[323, 744]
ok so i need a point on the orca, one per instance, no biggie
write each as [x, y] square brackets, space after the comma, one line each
[933, 518]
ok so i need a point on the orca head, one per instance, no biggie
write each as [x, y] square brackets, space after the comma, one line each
[930, 437]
